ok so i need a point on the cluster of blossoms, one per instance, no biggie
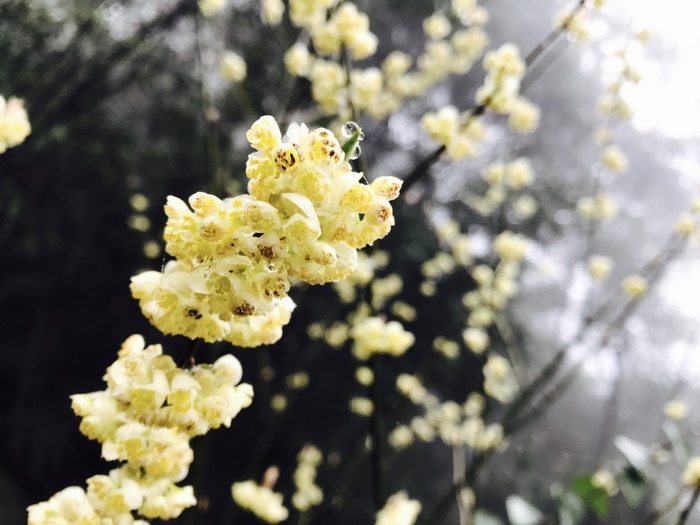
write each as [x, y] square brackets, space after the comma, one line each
[209, 8]
[364, 273]
[379, 91]
[145, 418]
[308, 494]
[691, 473]
[460, 133]
[603, 479]
[634, 286]
[14, 123]
[305, 217]
[495, 287]
[233, 67]
[600, 266]
[501, 89]
[399, 510]
[575, 23]
[503, 178]
[261, 500]
[373, 335]
[455, 424]
[597, 208]
[499, 380]
[445, 262]
[613, 105]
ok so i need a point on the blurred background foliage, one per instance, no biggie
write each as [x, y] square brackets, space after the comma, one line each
[124, 98]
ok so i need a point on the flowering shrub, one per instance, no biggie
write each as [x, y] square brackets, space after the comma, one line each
[442, 230]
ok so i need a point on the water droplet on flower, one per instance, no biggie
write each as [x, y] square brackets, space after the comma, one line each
[356, 152]
[349, 128]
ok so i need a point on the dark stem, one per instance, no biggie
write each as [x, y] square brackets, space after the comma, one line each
[187, 360]
[377, 436]
[685, 513]
[656, 515]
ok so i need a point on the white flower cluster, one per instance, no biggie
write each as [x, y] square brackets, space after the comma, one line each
[455, 424]
[305, 217]
[373, 335]
[308, 494]
[260, 500]
[14, 123]
[145, 418]
[399, 510]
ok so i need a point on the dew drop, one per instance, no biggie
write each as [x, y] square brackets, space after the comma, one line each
[356, 152]
[349, 128]
[361, 136]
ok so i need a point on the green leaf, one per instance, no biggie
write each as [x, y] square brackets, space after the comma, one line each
[634, 452]
[349, 145]
[633, 485]
[520, 512]
[481, 517]
[596, 498]
[570, 508]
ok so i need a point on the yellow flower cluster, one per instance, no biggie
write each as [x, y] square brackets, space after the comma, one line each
[600, 207]
[455, 424]
[495, 289]
[146, 417]
[14, 123]
[399, 510]
[460, 133]
[305, 217]
[308, 494]
[500, 91]
[634, 286]
[373, 335]
[499, 380]
[232, 67]
[691, 473]
[502, 178]
[605, 480]
[271, 12]
[378, 91]
[362, 276]
[209, 8]
[260, 500]
[599, 266]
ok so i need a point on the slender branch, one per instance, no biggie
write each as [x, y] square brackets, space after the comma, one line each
[423, 167]
[685, 513]
[377, 434]
[551, 37]
[656, 515]
[188, 357]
